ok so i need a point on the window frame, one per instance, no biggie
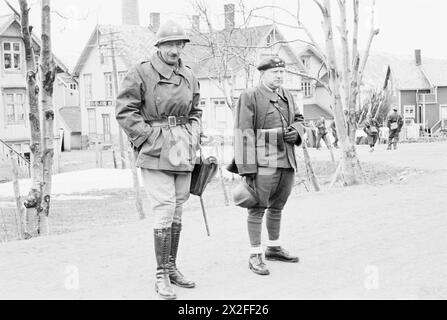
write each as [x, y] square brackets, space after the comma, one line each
[307, 85]
[108, 86]
[90, 88]
[11, 51]
[15, 104]
[305, 60]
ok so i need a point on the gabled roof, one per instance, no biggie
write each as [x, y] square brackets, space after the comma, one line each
[72, 118]
[435, 71]
[136, 43]
[306, 49]
[407, 76]
[7, 20]
[314, 111]
[242, 43]
[133, 43]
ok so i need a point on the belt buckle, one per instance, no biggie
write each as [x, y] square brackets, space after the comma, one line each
[172, 121]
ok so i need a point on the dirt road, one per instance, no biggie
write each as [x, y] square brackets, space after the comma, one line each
[364, 242]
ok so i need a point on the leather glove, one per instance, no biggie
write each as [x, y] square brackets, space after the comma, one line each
[248, 176]
[291, 135]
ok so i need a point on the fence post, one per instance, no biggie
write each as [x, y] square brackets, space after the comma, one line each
[114, 159]
[19, 213]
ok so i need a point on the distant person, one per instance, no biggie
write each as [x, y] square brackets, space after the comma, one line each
[334, 133]
[394, 124]
[372, 131]
[310, 133]
[322, 133]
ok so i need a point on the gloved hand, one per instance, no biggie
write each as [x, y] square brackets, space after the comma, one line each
[248, 176]
[291, 135]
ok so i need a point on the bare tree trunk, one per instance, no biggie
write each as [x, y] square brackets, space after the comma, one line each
[20, 212]
[346, 61]
[34, 199]
[115, 84]
[309, 168]
[358, 69]
[48, 69]
[349, 157]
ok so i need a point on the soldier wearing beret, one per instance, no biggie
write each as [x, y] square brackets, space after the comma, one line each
[158, 110]
[267, 129]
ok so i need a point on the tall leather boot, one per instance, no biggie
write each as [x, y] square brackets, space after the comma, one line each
[175, 275]
[162, 243]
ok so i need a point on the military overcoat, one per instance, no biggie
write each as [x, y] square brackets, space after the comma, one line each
[152, 90]
[251, 149]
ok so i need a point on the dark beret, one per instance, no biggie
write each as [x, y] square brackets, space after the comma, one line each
[272, 62]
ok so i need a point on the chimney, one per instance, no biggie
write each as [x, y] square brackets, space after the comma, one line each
[417, 57]
[229, 16]
[195, 23]
[130, 12]
[154, 20]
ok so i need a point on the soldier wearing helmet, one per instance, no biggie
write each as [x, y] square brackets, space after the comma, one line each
[158, 110]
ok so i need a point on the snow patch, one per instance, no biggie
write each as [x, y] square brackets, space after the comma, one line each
[78, 182]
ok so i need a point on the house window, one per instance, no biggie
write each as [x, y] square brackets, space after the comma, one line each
[271, 38]
[73, 86]
[108, 80]
[91, 122]
[409, 112]
[11, 56]
[306, 87]
[306, 61]
[223, 114]
[88, 92]
[15, 107]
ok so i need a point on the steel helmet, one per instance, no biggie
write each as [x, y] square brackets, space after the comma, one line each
[170, 31]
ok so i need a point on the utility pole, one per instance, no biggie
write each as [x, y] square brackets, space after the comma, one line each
[111, 45]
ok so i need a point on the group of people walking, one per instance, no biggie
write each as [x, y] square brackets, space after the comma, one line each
[394, 123]
[320, 131]
[158, 109]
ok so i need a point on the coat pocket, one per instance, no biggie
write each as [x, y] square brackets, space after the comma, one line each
[177, 152]
[153, 144]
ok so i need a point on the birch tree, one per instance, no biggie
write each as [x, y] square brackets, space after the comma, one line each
[42, 150]
[344, 81]
[48, 74]
[34, 199]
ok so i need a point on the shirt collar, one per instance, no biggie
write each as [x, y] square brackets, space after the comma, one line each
[164, 69]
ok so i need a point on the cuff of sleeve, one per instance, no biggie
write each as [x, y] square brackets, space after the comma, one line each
[247, 169]
[298, 127]
[139, 140]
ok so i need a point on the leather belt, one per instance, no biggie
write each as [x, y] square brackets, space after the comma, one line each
[170, 121]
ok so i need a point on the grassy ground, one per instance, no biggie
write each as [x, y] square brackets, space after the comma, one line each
[98, 209]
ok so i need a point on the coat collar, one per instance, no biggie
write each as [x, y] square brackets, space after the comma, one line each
[165, 70]
[273, 96]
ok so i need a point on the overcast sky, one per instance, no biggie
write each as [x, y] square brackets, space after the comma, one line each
[404, 24]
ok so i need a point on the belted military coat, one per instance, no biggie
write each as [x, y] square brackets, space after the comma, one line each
[152, 90]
